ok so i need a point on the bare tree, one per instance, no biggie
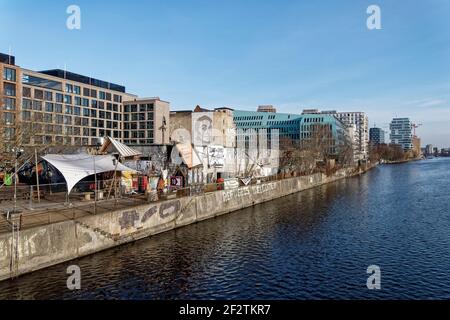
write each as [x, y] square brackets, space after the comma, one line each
[315, 150]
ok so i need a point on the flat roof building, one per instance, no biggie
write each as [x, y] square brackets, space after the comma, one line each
[296, 129]
[58, 107]
[376, 136]
[401, 133]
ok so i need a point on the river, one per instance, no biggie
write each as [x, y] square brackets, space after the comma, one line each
[316, 244]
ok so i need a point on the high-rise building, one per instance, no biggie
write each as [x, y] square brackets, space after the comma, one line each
[360, 123]
[401, 133]
[429, 150]
[376, 136]
[57, 107]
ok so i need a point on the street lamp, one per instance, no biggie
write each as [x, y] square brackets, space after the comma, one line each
[17, 153]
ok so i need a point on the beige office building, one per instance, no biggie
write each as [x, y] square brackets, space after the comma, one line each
[56, 107]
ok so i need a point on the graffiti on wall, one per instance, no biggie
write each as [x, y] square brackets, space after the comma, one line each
[246, 191]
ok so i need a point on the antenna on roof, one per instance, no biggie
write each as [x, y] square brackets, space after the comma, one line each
[65, 70]
[9, 54]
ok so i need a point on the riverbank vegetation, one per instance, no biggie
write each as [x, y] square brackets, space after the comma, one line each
[391, 153]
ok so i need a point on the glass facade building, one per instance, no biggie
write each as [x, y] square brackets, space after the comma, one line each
[376, 136]
[296, 129]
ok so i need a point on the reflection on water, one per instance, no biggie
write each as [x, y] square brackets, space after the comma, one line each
[311, 245]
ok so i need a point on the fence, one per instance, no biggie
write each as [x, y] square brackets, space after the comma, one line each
[53, 204]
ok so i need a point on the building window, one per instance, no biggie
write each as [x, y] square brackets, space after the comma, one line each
[69, 88]
[59, 97]
[10, 103]
[37, 105]
[58, 108]
[26, 92]
[26, 115]
[9, 89]
[48, 96]
[102, 95]
[8, 118]
[9, 74]
[77, 90]
[39, 94]
[68, 99]
[49, 107]
[27, 104]
[68, 110]
[48, 117]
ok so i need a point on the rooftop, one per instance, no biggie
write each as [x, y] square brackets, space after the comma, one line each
[83, 79]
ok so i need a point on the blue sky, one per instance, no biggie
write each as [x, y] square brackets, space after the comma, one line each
[292, 54]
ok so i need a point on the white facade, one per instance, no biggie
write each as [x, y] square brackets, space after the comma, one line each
[401, 133]
[359, 124]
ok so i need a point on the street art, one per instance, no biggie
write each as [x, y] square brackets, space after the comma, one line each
[167, 209]
[128, 219]
[149, 213]
[236, 193]
[246, 191]
[262, 188]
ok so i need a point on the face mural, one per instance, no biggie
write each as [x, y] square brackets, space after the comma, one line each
[203, 130]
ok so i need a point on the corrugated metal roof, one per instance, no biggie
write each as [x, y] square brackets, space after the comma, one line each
[124, 150]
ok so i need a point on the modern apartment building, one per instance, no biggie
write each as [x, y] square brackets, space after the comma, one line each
[401, 133]
[57, 107]
[9, 104]
[360, 122]
[376, 136]
[429, 150]
[146, 121]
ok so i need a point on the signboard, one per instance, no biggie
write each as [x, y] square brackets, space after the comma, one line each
[176, 181]
[246, 181]
[216, 156]
[231, 183]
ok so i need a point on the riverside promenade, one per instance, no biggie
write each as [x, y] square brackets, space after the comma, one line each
[40, 246]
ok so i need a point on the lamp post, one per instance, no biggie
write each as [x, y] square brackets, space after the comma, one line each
[17, 153]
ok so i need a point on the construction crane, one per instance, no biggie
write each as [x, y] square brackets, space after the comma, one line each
[415, 126]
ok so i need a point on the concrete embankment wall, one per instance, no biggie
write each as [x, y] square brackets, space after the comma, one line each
[47, 245]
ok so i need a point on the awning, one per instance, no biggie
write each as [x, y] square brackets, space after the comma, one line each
[75, 167]
[124, 150]
[188, 154]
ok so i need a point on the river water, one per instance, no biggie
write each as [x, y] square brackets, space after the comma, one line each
[316, 244]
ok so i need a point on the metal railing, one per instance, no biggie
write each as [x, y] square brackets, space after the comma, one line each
[53, 204]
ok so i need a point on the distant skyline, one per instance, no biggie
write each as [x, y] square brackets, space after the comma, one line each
[294, 55]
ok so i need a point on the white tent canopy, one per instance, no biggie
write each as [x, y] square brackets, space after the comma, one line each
[75, 167]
